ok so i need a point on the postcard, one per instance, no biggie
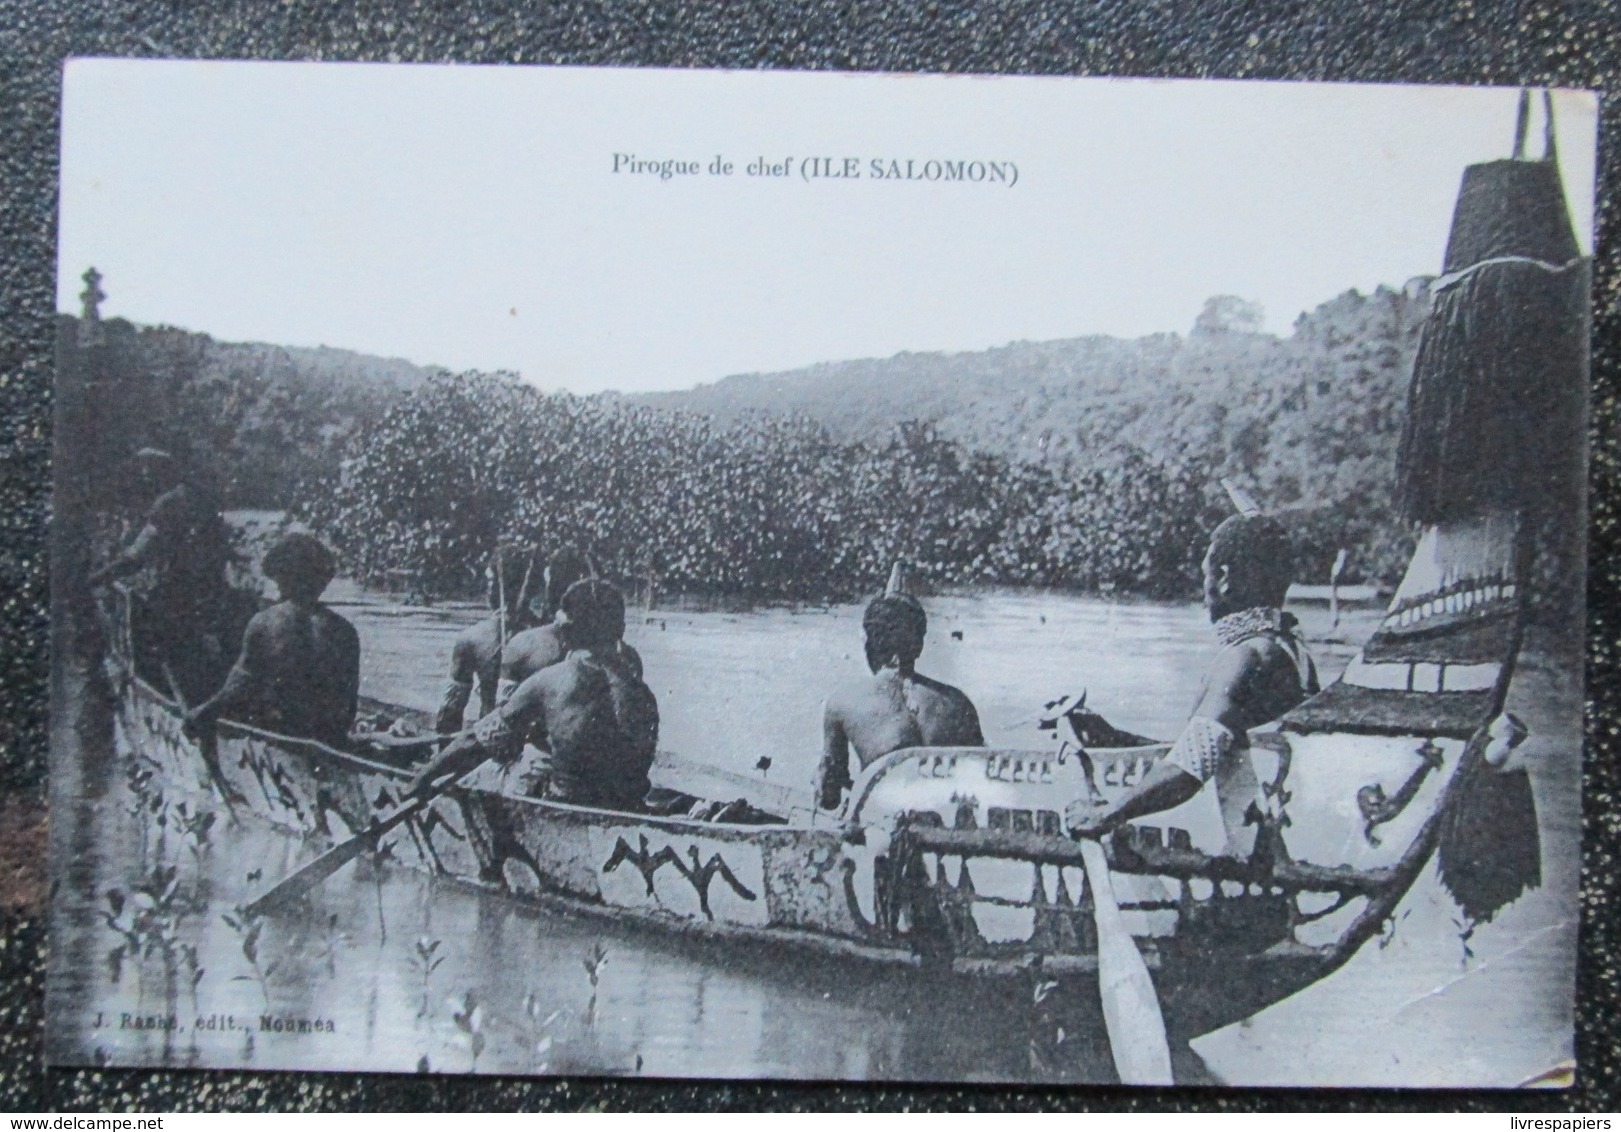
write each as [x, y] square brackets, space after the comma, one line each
[828, 576]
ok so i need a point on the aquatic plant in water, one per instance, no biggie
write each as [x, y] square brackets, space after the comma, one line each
[593, 964]
[146, 799]
[468, 1014]
[324, 950]
[381, 855]
[148, 921]
[426, 963]
[193, 827]
[1047, 1034]
[540, 1037]
[249, 929]
[567, 1042]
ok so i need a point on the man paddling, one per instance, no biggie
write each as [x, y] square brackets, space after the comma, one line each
[542, 645]
[183, 543]
[1261, 671]
[475, 658]
[897, 707]
[299, 670]
[594, 718]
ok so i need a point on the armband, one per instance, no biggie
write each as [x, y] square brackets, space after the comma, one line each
[498, 738]
[1202, 746]
[452, 706]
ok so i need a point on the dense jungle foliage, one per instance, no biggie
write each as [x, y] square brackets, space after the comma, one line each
[766, 508]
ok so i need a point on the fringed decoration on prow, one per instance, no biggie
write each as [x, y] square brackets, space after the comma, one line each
[1490, 851]
[1500, 383]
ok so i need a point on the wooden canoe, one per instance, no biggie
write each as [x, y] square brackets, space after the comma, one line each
[947, 861]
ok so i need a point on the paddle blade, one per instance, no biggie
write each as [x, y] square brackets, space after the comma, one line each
[312, 874]
[1131, 1010]
[308, 877]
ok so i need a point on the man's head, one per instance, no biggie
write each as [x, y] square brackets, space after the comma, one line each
[592, 615]
[513, 575]
[566, 566]
[300, 566]
[895, 625]
[1249, 564]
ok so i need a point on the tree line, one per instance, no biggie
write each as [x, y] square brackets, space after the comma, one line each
[1091, 464]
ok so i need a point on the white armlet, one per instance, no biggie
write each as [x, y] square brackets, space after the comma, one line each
[1202, 746]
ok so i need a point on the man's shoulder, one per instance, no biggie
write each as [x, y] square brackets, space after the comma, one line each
[599, 669]
[479, 633]
[946, 693]
[286, 613]
[850, 694]
[625, 670]
[534, 638]
[271, 617]
[338, 622]
[533, 650]
[564, 674]
[1259, 658]
[1263, 649]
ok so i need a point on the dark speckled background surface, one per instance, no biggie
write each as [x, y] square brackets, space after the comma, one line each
[1539, 42]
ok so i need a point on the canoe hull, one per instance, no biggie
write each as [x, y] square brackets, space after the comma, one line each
[949, 862]
[769, 883]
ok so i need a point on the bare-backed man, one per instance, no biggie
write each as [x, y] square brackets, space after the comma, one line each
[595, 720]
[1261, 671]
[299, 669]
[897, 707]
[182, 545]
[542, 645]
[475, 659]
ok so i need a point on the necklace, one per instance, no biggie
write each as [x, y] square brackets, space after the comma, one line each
[1246, 623]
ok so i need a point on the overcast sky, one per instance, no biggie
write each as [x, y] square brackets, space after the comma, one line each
[470, 216]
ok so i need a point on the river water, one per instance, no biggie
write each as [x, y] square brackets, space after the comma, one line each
[733, 687]
[412, 973]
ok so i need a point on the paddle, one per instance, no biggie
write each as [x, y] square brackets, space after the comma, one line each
[1131, 1012]
[395, 744]
[207, 747]
[312, 874]
[1334, 587]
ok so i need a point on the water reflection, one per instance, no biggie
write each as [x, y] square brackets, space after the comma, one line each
[734, 686]
[373, 972]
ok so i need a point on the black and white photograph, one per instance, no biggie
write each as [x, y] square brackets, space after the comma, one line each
[696, 574]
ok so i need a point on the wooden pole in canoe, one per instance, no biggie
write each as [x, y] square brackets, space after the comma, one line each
[207, 747]
[1131, 1011]
[501, 605]
[1334, 586]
